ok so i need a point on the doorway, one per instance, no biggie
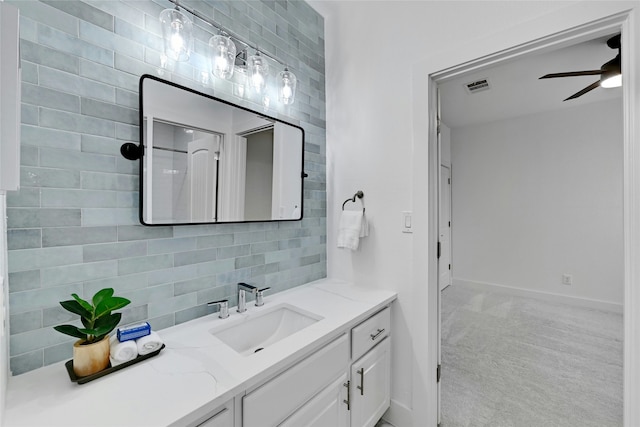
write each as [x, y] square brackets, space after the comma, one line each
[599, 28]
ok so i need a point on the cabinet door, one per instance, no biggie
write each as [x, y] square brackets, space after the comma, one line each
[327, 409]
[371, 386]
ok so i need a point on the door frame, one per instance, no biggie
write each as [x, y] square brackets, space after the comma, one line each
[426, 351]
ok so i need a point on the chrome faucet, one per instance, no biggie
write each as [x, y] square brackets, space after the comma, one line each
[242, 289]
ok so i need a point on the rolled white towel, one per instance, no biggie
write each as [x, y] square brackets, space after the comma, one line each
[149, 343]
[121, 352]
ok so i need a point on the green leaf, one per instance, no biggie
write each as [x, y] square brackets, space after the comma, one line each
[75, 307]
[74, 331]
[83, 303]
[101, 295]
[109, 323]
[109, 304]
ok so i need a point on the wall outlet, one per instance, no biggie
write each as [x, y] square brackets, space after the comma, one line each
[567, 279]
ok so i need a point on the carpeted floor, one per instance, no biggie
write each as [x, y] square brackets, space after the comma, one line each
[518, 362]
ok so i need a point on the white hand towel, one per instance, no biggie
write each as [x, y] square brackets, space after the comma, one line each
[121, 352]
[149, 344]
[350, 229]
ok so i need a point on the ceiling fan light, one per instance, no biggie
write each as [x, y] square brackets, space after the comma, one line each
[611, 81]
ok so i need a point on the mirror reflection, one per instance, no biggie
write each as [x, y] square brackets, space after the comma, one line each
[208, 161]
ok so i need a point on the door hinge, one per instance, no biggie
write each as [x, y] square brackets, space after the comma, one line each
[449, 266]
[448, 180]
[438, 250]
[449, 224]
[438, 372]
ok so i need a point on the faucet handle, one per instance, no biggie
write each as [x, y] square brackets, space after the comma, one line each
[224, 307]
[260, 296]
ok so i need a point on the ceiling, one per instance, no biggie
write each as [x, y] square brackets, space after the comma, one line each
[515, 89]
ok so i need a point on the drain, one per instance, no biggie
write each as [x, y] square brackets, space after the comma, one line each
[257, 350]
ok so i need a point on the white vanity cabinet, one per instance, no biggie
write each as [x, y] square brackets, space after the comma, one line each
[222, 416]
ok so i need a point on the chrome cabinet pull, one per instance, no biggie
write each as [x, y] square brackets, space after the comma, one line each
[374, 336]
[348, 400]
[361, 386]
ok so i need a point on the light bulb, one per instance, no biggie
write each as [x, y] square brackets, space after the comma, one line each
[177, 34]
[177, 42]
[222, 53]
[286, 86]
[613, 81]
[259, 71]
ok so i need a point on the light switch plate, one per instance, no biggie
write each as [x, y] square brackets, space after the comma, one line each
[407, 222]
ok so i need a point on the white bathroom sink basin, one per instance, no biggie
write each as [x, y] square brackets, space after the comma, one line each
[258, 331]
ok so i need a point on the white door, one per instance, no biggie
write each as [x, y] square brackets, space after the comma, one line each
[444, 264]
[202, 166]
[371, 386]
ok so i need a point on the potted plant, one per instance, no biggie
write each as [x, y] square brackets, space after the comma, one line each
[91, 351]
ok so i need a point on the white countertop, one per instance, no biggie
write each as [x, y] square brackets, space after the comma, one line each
[195, 372]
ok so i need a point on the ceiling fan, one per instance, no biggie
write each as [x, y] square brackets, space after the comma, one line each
[610, 72]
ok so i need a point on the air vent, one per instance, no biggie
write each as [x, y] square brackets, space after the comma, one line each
[477, 86]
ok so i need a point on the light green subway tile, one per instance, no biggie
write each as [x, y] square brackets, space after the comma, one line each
[194, 285]
[249, 261]
[263, 247]
[108, 76]
[39, 12]
[53, 38]
[75, 160]
[109, 181]
[107, 39]
[57, 316]
[26, 321]
[149, 295]
[109, 216]
[41, 298]
[129, 200]
[173, 304]
[126, 166]
[197, 230]
[37, 217]
[214, 241]
[148, 263]
[54, 197]
[163, 246]
[233, 251]
[54, 138]
[127, 98]
[58, 353]
[278, 256]
[194, 257]
[183, 316]
[24, 238]
[33, 340]
[217, 293]
[250, 237]
[162, 322]
[24, 280]
[74, 84]
[122, 10]
[215, 267]
[29, 114]
[29, 72]
[85, 12]
[60, 275]
[47, 177]
[68, 236]
[106, 251]
[108, 111]
[29, 155]
[134, 314]
[175, 274]
[45, 97]
[26, 362]
[100, 145]
[63, 120]
[25, 197]
[127, 132]
[28, 29]
[234, 276]
[120, 284]
[139, 232]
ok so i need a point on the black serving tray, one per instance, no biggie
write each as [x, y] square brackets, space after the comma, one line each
[81, 380]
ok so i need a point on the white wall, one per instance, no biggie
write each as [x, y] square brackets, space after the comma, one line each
[378, 59]
[539, 196]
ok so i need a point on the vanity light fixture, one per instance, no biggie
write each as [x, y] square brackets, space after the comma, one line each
[253, 72]
[258, 70]
[177, 32]
[287, 82]
[222, 53]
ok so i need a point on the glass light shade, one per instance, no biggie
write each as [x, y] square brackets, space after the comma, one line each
[240, 82]
[177, 32]
[222, 53]
[258, 71]
[287, 82]
[612, 81]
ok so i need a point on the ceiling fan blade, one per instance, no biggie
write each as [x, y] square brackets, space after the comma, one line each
[572, 74]
[585, 90]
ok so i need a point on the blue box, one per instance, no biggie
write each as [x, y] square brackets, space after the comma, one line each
[134, 332]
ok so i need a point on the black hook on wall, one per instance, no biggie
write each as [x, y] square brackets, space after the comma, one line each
[130, 151]
[358, 194]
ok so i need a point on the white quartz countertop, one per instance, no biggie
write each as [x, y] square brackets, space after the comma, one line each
[195, 372]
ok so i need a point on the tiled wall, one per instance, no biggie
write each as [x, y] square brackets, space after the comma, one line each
[73, 225]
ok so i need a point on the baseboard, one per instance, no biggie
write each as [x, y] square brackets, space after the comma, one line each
[398, 415]
[546, 296]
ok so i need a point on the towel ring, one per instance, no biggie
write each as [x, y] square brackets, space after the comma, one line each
[359, 195]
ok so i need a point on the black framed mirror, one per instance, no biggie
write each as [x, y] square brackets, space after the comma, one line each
[206, 160]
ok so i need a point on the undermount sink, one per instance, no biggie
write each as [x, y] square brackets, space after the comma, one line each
[260, 330]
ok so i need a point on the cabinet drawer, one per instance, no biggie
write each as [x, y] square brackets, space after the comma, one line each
[273, 402]
[370, 332]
